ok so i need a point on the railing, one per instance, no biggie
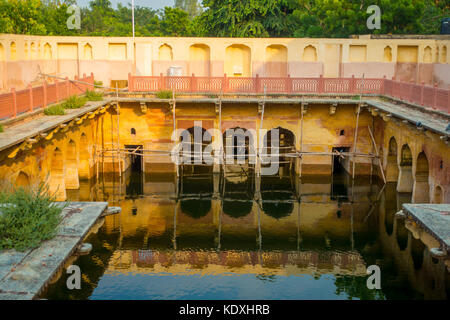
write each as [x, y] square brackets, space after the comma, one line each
[427, 96]
[18, 102]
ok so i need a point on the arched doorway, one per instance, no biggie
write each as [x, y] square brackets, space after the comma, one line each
[405, 177]
[57, 186]
[85, 167]
[286, 145]
[391, 162]
[22, 180]
[421, 191]
[194, 141]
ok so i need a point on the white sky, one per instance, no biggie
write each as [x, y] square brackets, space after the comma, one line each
[155, 4]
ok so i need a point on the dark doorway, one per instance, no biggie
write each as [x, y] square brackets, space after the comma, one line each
[338, 162]
[136, 159]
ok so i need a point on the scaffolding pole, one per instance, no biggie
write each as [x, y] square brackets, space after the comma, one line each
[357, 125]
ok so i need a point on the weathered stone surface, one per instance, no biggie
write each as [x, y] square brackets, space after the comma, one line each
[24, 274]
[434, 218]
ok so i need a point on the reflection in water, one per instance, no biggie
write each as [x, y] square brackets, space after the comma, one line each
[207, 237]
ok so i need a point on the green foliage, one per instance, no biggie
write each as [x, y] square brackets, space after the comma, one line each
[94, 95]
[98, 83]
[1, 128]
[74, 102]
[164, 94]
[227, 18]
[28, 217]
[55, 110]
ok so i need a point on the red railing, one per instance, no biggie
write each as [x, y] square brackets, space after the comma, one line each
[32, 98]
[427, 96]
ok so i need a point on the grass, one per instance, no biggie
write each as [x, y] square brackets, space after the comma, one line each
[74, 102]
[29, 217]
[94, 95]
[164, 94]
[98, 83]
[1, 128]
[55, 110]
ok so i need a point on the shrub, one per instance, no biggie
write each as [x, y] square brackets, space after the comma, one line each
[98, 83]
[164, 94]
[94, 95]
[29, 216]
[74, 102]
[55, 110]
[1, 128]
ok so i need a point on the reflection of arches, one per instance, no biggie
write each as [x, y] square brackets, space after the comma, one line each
[390, 207]
[71, 178]
[387, 56]
[276, 61]
[277, 196]
[196, 208]
[165, 53]
[438, 195]
[417, 251]
[199, 60]
[238, 200]
[87, 52]
[13, 51]
[57, 182]
[402, 235]
[310, 54]
[427, 55]
[444, 54]
[421, 191]
[391, 165]
[22, 180]
[405, 178]
[238, 61]
[47, 52]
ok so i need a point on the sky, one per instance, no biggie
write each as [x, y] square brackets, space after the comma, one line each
[155, 4]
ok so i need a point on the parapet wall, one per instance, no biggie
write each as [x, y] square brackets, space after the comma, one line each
[112, 58]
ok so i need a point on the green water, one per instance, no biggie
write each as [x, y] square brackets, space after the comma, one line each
[208, 238]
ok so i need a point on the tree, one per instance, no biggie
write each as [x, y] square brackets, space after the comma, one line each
[21, 16]
[245, 18]
[175, 22]
[192, 7]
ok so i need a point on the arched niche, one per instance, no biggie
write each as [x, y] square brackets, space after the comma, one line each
[47, 52]
[199, 60]
[238, 61]
[87, 52]
[165, 53]
[2, 53]
[310, 54]
[391, 161]
[444, 54]
[427, 55]
[438, 195]
[405, 177]
[387, 55]
[22, 180]
[421, 192]
[13, 51]
[276, 61]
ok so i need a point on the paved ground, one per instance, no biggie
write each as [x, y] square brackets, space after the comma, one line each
[434, 218]
[24, 274]
[21, 132]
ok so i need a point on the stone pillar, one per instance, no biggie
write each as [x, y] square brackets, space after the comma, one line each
[57, 186]
[405, 180]
[71, 178]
